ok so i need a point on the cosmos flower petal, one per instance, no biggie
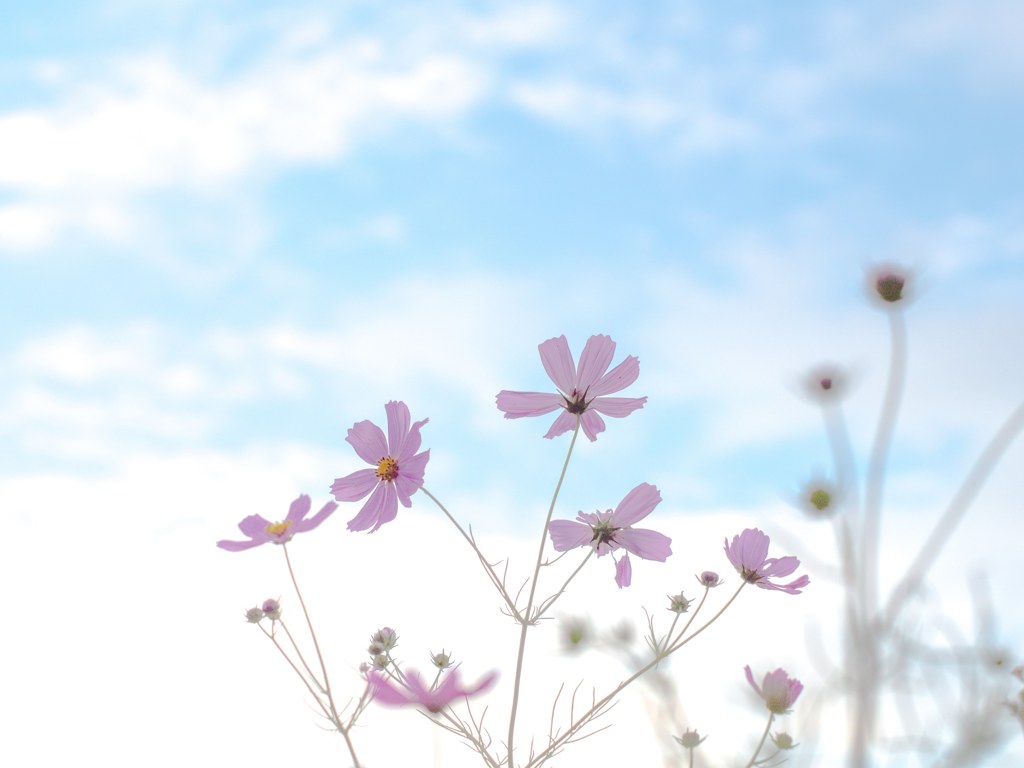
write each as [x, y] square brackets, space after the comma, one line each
[368, 440]
[636, 505]
[594, 361]
[779, 566]
[254, 526]
[298, 509]
[650, 545]
[516, 405]
[748, 554]
[355, 486]
[557, 361]
[617, 379]
[624, 571]
[566, 422]
[238, 546]
[308, 525]
[592, 424]
[568, 534]
[398, 427]
[372, 511]
[617, 407]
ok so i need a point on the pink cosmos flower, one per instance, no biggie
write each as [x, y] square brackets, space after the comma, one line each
[397, 469]
[779, 690]
[749, 555]
[260, 531]
[608, 531]
[582, 390]
[415, 693]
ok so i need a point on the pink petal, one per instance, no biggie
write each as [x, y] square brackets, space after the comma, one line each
[781, 566]
[412, 442]
[385, 692]
[597, 356]
[398, 426]
[750, 679]
[355, 486]
[636, 505]
[566, 422]
[557, 360]
[592, 424]
[485, 683]
[308, 525]
[617, 407]
[650, 545]
[238, 546]
[298, 509]
[519, 404]
[623, 571]
[373, 513]
[618, 378]
[568, 534]
[255, 527]
[368, 440]
[410, 476]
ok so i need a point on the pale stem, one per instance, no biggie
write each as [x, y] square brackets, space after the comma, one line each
[958, 506]
[301, 658]
[583, 719]
[302, 677]
[546, 605]
[753, 757]
[336, 719]
[525, 618]
[480, 556]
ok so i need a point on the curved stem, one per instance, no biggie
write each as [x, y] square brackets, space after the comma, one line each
[546, 605]
[525, 617]
[497, 582]
[753, 757]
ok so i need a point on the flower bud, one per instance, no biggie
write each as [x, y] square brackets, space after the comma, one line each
[272, 608]
[678, 603]
[441, 660]
[386, 638]
[690, 739]
[709, 579]
[783, 740]
[254, 615]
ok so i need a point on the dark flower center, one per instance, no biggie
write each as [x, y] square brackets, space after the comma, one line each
[576, 402]
[603, 533]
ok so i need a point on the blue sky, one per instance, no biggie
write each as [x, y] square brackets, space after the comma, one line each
[230, 230]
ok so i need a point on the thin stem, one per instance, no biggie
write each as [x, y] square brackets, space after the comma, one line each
[546, 605]
[297, 671]
[335, 718]
[525, 617]
[498, 584]
[587, 716]
[301, 658]
[753, 757]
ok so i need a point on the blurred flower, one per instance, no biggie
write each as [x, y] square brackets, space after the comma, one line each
[582, 390]
[783, 740]
[778, 690]
[690, 739]
[576, 633]
[272, 609]
[260, 530]
[888, 284]
[826, 383]
[709, 579]
[610, 530]
[749, 555]
[398, 469]
[415, 693]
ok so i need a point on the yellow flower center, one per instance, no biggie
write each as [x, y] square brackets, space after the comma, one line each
[278, 529]
[387, 469]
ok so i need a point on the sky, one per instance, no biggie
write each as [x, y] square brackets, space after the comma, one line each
[230, 230]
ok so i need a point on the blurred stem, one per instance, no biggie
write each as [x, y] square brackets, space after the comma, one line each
[760, 744]
[525, 617]
[958, 506]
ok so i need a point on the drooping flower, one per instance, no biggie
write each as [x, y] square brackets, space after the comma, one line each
[778, 690]
[749, 555]
[260, 530]
[690, 739]
[582, 390]
[416, 694]
[397, 471]
[709, 579]
[608, 531]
